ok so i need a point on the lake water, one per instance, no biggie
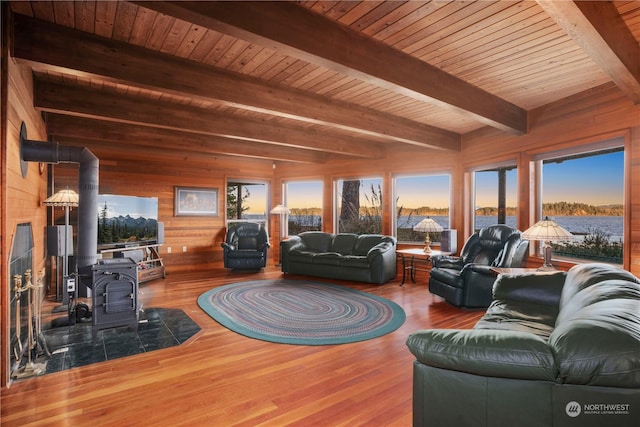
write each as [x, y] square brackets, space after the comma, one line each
[578, 225]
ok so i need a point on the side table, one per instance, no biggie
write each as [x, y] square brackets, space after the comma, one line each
[415, 255]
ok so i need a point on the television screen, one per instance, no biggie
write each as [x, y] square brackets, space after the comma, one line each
[127, 219]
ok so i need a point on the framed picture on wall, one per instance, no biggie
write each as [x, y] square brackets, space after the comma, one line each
[196, 201]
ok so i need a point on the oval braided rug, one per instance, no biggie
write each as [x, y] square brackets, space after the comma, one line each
[301, 312]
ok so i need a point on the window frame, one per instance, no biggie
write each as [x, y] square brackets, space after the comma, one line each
[337, 197]
[471, 210]
[285, 198]
[394, 207]
[619, 143]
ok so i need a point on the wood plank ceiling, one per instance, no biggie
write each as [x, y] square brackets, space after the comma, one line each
[313, 81]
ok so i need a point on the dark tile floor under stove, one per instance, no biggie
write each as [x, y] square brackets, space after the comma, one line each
[72, 346]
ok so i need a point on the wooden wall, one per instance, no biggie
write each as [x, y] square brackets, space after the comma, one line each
[598, 114]
[21, 197]
[123, 173]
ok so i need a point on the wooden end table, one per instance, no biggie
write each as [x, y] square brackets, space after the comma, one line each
[415, 255]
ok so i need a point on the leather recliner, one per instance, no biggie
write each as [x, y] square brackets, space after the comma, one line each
[245, 246]
[467, 280]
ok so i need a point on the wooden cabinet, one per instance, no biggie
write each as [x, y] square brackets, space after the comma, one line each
[150, 265]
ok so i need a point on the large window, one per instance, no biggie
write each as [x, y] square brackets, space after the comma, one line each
[246, 201]
[419, 197]
[304, 200]
[359, 206]
[584, 193]
[495, 196]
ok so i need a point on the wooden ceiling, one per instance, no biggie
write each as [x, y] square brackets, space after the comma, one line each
[314, 81]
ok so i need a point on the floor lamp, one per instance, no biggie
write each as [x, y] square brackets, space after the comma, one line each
[67, 199]
[283, 211]
[547, 231]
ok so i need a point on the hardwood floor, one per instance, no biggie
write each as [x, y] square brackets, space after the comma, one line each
[220, 378]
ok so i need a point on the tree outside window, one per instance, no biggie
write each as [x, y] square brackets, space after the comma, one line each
[246, 201]
[359, 206]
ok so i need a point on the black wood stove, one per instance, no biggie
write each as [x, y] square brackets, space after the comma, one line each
[114, 286]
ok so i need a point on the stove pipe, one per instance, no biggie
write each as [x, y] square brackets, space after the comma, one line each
[45, 152]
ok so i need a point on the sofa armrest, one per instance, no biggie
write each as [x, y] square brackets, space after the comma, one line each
[379, 249]
[504, 354]
[228, 246]
[447, 261]
[482, 269]
[535, 288]
[291, 243]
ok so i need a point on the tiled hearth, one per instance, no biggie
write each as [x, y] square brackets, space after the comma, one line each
[72, 346]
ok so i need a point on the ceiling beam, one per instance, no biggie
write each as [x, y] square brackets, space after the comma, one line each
[301, 33]
[126, 135]
[598, 28]
[38, 42]
[89, 102]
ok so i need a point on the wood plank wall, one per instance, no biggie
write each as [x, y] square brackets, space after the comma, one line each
[21, 197]
[599, 113]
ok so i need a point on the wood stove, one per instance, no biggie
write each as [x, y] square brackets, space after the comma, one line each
[114, 288]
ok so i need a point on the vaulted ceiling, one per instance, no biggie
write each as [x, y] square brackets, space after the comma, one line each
[313, 81]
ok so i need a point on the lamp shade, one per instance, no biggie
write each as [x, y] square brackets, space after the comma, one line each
[280, 209]
[63, 198]
[427, 225]
[547, 230]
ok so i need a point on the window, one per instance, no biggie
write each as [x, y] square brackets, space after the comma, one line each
[495, 196]
[304, 200]
[584, 193]
[359, 206]
[246, 201]
[418, 197]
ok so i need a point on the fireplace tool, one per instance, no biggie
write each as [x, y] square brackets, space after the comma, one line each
[31, 368]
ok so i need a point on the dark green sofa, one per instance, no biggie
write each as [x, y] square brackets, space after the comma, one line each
[363, 258]
[556, 349]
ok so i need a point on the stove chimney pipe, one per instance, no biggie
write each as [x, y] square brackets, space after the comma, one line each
[52, 152]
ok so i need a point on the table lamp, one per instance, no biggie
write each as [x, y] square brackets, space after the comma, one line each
[547, 231]
[427, 225]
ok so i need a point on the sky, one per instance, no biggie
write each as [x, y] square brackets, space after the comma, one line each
[597, 180]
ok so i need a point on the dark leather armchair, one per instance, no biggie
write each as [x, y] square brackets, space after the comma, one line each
[245, 246]
[467, 280]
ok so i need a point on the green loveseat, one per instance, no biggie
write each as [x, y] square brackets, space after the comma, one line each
[363, 258]
[556, 349]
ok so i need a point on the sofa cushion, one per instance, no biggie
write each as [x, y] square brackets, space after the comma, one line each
[365, 242]
[354, 261]
[247, 242]
[303, 257]
[520, 317]
[316, 241]
[327, 258]
[597, 341]
[582, 276]
[504, 354]
[344, 243]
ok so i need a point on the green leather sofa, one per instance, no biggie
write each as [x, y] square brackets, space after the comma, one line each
[363, 258]
[553, 349]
